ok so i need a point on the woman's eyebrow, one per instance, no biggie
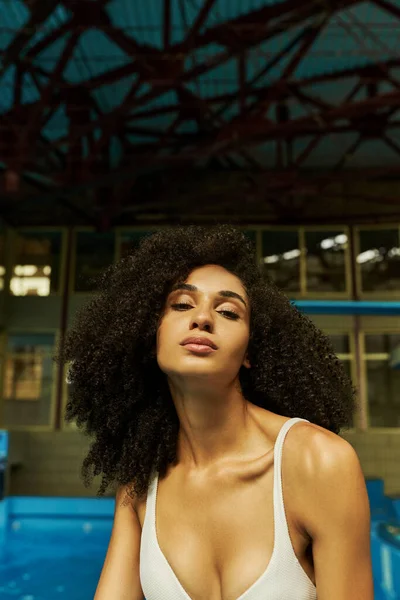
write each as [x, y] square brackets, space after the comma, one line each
[193, 288]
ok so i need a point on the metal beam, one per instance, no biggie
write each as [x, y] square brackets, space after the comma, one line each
[204, 12]
[389, 7]
[167, 24]
[33, 127]
[40, 11]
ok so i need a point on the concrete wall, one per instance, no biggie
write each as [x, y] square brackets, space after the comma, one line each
[379, 454]
[51, 464]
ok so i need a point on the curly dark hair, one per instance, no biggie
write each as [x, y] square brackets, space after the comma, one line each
[120, 397]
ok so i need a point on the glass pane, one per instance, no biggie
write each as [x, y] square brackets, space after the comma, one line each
[381, 342]
[36, 271]
[383, 394]
[340, 342]
[94, 252]
[23, 378]
[28, 380]
[31, 342]
[281, 258]
[129, 241]
[379, 260]
[325, 261]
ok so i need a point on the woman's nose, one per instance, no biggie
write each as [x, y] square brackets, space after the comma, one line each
[202, 320]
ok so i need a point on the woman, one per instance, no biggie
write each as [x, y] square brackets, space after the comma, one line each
[193, 373]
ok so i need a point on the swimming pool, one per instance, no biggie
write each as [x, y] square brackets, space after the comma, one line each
[54, 548]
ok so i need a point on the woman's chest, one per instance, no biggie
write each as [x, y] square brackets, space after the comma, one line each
[218, 537]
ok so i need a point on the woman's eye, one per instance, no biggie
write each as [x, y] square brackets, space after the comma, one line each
[232, 315]
[229, 313]
[180, 305]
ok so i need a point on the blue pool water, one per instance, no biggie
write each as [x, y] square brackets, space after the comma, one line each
[53, 548]
[49, 569]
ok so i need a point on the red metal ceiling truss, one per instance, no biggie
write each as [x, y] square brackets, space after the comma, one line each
[64, 164]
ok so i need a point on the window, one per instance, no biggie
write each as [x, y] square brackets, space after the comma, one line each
[281, 258]
[37, 258]
[325, 260]
[382, 368]
[94, 252]
[379, 260]
[28, 380]
[341, 343]
[381, 343]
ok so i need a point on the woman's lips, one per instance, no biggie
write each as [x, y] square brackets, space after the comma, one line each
[199, 348]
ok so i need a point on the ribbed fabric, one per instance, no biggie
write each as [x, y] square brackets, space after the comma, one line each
[283, 579]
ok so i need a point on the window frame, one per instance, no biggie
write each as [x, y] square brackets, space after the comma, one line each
[13, 257]
[53, 396]
[301, 230]
[365, 357]
[347, 262]
[377, 295]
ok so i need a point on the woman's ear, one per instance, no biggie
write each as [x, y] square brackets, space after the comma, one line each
[246, 362]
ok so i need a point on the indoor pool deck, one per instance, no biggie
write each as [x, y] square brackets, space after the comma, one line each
[54, 548]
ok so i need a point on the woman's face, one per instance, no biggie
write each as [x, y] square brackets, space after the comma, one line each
[215, 307]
